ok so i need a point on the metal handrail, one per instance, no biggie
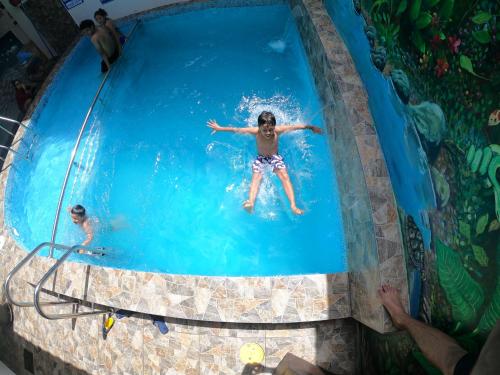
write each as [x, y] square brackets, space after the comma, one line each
[72, 159]
[9, 148]
[13, 121]
[73, 155]
[7, 131]
[19, 265]
[12, 135]
[43, 280]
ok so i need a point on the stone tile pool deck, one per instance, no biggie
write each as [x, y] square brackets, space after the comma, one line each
[211, 317]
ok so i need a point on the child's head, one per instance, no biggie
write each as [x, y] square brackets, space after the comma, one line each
[266, 123]
[100, 16]
[266, 118]
[17, 84]
[77, 214]
[87, 27]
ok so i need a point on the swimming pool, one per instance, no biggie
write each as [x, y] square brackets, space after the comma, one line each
[148, 158]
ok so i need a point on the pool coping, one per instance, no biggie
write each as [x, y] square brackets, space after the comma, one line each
[277, 299]
[375, 254]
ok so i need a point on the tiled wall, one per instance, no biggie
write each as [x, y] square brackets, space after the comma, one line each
[280, 299]
[372, 232]
[135, 346]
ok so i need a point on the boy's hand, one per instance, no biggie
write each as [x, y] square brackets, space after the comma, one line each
[214, 126]
[316, 130]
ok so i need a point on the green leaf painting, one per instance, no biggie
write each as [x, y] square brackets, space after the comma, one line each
[463, 293]
[423, 20]
[481, 17]
[430, 3]
[402, 7]
[492, 313]
[466, 64]
[418, 41]
[482, 36]
[482, 223]
[464, 229]
[480, 255]
[446, 8]
[415, 10]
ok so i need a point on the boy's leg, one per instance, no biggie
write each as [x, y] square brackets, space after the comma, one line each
[440, 349]
[254, 189]
[287, 185]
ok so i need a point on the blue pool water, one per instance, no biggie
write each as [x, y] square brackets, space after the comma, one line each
[148, 161]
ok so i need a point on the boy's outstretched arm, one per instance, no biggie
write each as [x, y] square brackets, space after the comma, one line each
[290, 128]
[217, 128]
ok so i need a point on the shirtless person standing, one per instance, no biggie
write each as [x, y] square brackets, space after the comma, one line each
[104, 43]
[266, 134]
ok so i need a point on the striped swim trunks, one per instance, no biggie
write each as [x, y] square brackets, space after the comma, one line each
[275, 161]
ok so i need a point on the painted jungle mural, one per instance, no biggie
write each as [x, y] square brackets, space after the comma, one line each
[443, 58]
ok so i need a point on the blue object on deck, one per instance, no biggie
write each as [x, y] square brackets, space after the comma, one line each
[24, 56]
[161, 325]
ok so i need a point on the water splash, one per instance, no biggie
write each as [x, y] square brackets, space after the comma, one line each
[278, 46]
[285, 109]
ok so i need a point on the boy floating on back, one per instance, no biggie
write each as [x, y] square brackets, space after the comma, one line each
[266, 136]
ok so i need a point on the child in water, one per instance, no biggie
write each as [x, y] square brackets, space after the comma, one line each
[102, 20]
[266, 136]
[91, 225]
[79, 217]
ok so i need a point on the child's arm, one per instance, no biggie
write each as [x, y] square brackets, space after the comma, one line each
[217, 128]
[89, 231]
[110, 25]
[290, 128]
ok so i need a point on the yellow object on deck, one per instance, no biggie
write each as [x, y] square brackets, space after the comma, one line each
[251, 353]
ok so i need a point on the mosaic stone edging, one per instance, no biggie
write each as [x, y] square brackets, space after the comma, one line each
[185, 6]
[135, 346]
[373, 238]
[281, 299]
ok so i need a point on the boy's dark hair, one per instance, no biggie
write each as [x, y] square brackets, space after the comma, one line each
[78, 210]
[266, 118]
[101, 12]
[86, 24]
[14, 81]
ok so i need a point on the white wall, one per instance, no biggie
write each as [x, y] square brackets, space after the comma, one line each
[116, 8]
[7, 24]
[26, 26]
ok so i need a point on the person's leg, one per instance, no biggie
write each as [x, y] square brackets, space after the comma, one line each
[287, 185]
[440, 349]
[254, 189]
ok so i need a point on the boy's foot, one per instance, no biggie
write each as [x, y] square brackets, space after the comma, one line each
[248, 206]
[391, 300]
[297, 211]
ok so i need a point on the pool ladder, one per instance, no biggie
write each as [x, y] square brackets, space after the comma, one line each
[10, 148]
[39, 287]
